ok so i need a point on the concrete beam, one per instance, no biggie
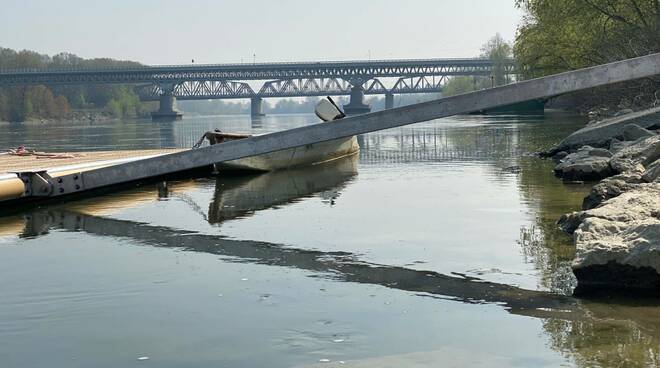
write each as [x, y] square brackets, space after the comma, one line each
[540, 88]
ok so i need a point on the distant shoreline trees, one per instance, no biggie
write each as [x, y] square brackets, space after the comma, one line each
[22, 103]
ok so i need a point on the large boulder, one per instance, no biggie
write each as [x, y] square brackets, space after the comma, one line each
[587, 163]
[618, 243]
[652, 173]
[599, 134]
[634, 158]
[633, 132]
[609, 188]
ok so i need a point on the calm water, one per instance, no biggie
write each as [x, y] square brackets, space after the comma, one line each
[436, 246]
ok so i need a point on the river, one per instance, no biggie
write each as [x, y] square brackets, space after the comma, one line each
[435, 246]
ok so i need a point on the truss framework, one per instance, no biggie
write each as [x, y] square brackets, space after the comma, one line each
[347, 70]
[307, 87]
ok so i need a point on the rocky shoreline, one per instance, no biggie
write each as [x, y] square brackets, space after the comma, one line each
[617, 233]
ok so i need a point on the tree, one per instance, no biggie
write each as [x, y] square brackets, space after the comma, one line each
[21, 103]
[499, 52]
[4, 107]
[458, 85]
[561, 35]
[62, 106]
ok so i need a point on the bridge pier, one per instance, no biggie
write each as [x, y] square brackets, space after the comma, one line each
[356, 104]
[256, 106]
[389, 100]
[167, 110]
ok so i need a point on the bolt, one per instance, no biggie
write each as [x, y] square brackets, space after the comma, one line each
[59, 180]
[61, 190]
[77, 186]
[75, 177]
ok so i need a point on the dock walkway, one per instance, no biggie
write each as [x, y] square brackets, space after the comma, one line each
[10, 163]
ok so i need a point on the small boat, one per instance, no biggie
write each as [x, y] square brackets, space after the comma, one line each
[310, 154]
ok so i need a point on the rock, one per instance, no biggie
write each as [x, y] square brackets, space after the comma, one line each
[617, 145]
[623, 112]
[618, 243]
[587, 163]
[633, 132]
[609, 188]
[599, 134]
[559, 156]
[634, 157]
[569, 222]
[599, 152]
[652, 173]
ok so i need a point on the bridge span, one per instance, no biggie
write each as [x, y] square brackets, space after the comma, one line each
[167, 83]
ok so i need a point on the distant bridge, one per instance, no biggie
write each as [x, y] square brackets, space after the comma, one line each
[204, 90]
[222, 81]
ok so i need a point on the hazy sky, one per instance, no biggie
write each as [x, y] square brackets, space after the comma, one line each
[174, 32]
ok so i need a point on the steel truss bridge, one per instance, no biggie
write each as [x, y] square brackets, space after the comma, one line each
[203, 90]
[226, 81]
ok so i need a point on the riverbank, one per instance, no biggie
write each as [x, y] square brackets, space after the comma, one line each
[617, 233]
[78, 116]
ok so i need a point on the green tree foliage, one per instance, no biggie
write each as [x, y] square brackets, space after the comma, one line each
[561, 35]
[36, 102]
[499, 52]
[123, 102]
[459, 85]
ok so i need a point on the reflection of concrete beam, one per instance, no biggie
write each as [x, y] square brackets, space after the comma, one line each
[341, 266]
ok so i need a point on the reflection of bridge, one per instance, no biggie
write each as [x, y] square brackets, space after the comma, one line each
[222, 81]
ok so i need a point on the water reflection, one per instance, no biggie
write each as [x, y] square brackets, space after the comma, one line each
[608, 332]
[590, 330]
[256, 122]
[137, 134]
[241, 196]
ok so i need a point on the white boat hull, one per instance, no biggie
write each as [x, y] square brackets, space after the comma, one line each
[295, 157]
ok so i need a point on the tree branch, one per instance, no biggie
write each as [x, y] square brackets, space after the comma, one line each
[611, 15]
[639, 13]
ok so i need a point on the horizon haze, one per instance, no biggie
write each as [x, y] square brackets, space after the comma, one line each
[164, 32]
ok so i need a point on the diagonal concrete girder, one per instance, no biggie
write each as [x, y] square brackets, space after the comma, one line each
[621, 71]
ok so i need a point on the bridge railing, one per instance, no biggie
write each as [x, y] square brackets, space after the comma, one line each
[310, 64]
